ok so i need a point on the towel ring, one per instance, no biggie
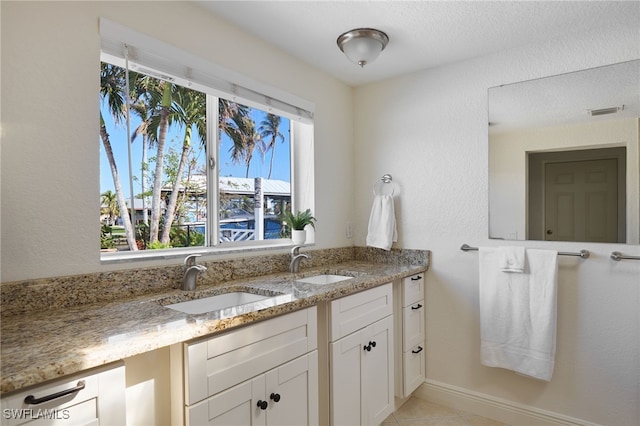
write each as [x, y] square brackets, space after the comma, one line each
[386, 181]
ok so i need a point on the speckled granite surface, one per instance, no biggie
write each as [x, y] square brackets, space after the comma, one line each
[53, 341]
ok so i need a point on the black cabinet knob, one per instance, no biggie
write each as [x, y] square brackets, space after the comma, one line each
[367, 348]
[373, 344]
[275, 397]
[418, 306]
[262, 404]
[420, 348]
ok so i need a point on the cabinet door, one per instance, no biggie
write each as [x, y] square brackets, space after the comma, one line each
[378, 372]
[237, 406]
[292, 392]
[345, 380]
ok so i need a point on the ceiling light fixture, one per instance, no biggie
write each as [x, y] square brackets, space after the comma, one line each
[604, 111]
[362, 45]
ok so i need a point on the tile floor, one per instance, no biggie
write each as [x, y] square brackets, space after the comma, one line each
[418, 412]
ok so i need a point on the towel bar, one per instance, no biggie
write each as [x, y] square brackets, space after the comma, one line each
[583, 253]
[616, 255]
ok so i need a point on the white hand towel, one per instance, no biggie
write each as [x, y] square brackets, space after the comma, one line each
[511, 259]
[518, 313]
[382, 230]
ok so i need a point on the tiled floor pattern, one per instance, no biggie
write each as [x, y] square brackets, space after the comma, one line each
[418, 412]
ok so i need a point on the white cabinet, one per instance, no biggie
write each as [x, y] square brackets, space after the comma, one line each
[262, 374]
[410, 346]
[361, 357]
[96, 397]
[286, 395]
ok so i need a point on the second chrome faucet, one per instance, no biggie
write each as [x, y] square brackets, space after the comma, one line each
[191, 272]
[296, 257]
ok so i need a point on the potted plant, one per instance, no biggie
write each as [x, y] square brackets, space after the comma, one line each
[297, 222]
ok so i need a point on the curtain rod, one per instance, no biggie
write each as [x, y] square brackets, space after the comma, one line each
[583, 253]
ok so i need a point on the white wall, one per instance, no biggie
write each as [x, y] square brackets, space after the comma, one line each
[50, 145]
[429, 130]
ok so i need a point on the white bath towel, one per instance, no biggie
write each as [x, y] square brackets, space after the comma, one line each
[511, 259]
[518, 313]
[382, 231]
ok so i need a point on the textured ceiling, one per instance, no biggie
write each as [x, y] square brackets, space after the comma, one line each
[567, 98]
[423, 34]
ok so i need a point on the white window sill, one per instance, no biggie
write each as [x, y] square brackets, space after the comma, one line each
[178, 253]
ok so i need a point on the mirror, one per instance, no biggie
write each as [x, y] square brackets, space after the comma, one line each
[564, 157]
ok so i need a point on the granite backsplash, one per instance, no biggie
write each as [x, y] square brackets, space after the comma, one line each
[21, 297]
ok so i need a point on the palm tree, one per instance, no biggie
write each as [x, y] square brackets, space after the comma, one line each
[237, 124]
[142, 108]
[163, 125]
[251, 140]
[270, 128]
[109, 203]
[111, 84]
[190, 111]
[160, 96]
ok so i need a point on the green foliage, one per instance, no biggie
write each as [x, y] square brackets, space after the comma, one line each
[299, 219]
[180, 238]
[106, 239]
[142, 235]
[157, 245]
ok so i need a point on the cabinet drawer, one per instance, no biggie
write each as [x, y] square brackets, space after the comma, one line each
[414, 368]
[354, 312]
[99, 393]
[413, 325]
[221, 362]
[413, 289]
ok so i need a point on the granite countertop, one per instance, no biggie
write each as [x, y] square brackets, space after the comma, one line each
[49, 344]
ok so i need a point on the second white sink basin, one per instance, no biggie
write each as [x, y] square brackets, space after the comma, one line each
[324, 279]
[217, 302]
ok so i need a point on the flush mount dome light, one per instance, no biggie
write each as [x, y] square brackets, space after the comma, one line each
[604, 111]
[362, 45]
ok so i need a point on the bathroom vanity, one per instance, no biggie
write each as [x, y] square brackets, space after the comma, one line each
[329, 351]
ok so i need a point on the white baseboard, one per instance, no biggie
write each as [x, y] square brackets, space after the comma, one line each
[484, 405]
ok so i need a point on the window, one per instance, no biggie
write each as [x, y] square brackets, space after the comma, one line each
[184, 164]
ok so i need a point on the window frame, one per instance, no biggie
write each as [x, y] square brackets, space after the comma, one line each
[301, 135]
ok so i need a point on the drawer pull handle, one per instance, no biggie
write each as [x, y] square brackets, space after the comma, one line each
[32, 400]
[263, 404]
[419, 277]
[416, 307]
[275, 397]
[420, 348]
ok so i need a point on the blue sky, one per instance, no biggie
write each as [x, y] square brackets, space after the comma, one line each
[117, 134]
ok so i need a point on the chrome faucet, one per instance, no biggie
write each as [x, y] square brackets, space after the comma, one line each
[294, 266]
[191, 272]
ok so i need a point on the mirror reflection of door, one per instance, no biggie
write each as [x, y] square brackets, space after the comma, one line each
[581, 201]
[579, 195]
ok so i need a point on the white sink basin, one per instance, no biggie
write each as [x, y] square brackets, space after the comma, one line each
[218, 302]
[324, 279]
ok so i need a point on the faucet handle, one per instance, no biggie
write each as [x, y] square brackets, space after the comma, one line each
[190, 260]
[295, 250]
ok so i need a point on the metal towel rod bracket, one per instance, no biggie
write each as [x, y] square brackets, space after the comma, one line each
[617, 256]
[583, 253]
